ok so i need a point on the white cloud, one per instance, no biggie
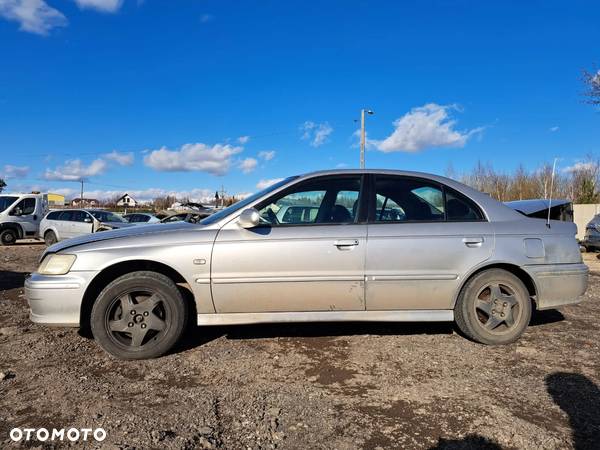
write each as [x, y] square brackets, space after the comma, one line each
[243, 139]
[580, 166]
[33, 16]
[193, 157]
[123, 159]
[316, 133]
[553, 129]
[11, 171]
[108, 6]
[75, 170]
[262, 184]
[248, 165]
[425, 127]
[267, 155]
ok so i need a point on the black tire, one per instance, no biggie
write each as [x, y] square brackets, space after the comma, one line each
[493, 308]
[50, 238]
[8, 237]
[139, 315]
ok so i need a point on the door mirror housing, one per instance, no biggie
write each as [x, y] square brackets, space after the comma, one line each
[249, 218]
[87, 220]
[17, 212]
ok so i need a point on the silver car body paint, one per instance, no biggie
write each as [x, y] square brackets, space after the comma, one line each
[395, 272]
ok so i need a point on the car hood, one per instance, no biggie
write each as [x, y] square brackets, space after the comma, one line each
[127, 232]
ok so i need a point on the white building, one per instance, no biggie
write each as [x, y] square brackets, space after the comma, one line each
[127, 201]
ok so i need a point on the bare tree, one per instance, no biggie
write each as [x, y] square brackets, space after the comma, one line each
[592, 84]
[2, 184]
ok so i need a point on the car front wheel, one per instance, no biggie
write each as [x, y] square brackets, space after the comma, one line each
[8, 237]
[139, 315]
[493, 308]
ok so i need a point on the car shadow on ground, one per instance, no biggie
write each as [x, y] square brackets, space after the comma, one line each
[546, 317]
[12, 280]
[579, 398]
[575, 394]
[197, 336]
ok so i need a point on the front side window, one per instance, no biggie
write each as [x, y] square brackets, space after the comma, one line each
[25, 206]
[408, 200]
[321, 201]
[65, 215]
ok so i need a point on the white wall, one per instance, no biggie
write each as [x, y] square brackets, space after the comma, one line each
[582, 214]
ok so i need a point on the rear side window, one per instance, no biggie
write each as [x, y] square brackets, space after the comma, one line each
[53, 215]
[406, 199]
[460, 208]
[401, 199]
[65, 215]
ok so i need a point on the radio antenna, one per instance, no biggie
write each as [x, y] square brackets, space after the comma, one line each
[551, 189]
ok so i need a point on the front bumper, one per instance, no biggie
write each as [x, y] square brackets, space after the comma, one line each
[559, 284]
[56, 299]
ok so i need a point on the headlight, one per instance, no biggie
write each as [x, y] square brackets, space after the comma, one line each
[54, 264]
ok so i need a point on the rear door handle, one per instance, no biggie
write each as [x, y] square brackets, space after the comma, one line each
[345, 243]
[473, 241]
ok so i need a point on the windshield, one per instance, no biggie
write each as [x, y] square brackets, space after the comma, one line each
[107, 216]
[243, 203]
[6, 201]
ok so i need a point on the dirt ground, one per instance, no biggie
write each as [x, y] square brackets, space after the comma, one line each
[341, 386]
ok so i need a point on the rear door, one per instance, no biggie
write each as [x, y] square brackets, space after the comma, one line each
[423, 238]
[311, 262]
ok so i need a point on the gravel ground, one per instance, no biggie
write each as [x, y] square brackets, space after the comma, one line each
[340, 386]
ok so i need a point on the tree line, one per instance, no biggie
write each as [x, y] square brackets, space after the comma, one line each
[579, 183]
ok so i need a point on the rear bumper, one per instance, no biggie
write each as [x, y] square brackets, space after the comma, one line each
[559, 284]
[56, 299]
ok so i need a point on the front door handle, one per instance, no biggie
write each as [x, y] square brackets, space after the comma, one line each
[342, 244]
[473, 241]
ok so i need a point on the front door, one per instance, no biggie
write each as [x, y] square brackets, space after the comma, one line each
[24, 213]
[422, 240]
[308, 253]
[81, 223]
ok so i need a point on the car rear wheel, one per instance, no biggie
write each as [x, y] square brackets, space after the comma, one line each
[139, 315]
[8, 237]
[493, 308]
[50, 238]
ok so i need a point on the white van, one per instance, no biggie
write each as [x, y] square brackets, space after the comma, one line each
[20, 216]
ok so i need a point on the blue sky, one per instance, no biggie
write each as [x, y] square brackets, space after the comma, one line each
[143, 97]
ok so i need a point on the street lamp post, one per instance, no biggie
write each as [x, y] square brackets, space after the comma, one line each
[363, 135]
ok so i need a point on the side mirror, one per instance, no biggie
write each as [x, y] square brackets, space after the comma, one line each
[87, 220]
[249, 218]
[17, 212]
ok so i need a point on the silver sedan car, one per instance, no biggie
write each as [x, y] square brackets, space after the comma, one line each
[382, 246]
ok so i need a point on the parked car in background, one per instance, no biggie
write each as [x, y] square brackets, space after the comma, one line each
[20, 216]
[189, 216]
[447, 252]
[141, 218]
[591, 242]
[69, 223]
[538, 208]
